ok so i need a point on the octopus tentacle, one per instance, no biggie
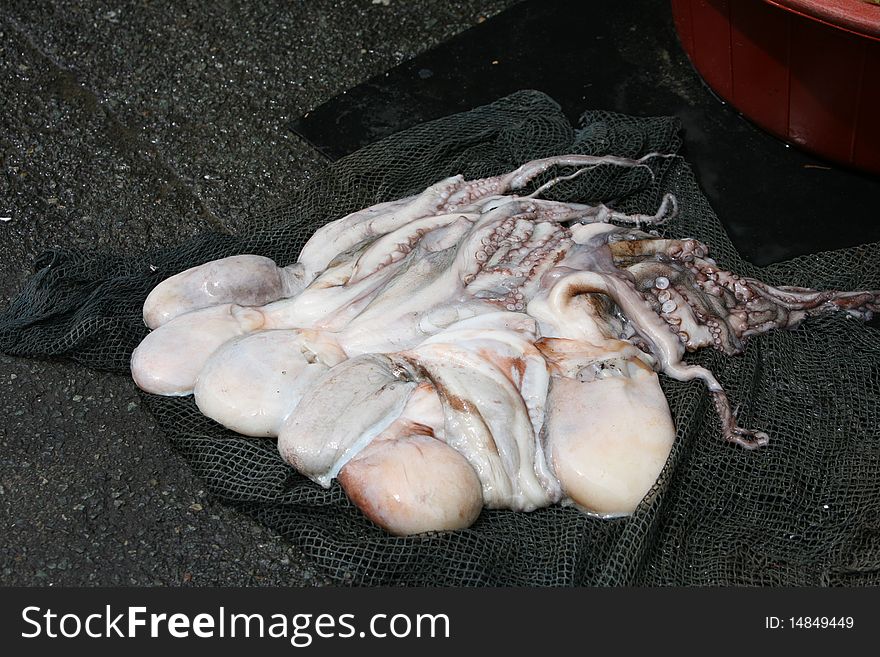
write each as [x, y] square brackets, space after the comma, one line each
[685, 250]
[664, 345]
[519, 178]
[488, 422]
[482, 188]
[397, 244]
[805, 299]
[343, 234]
[489, 232]
[678, 310]
[558, 179]
[750, 307]
[748, 438]
[667, 210]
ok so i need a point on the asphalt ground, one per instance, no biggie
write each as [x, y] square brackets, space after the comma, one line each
[133, 125]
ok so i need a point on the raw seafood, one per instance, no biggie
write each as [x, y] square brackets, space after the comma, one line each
[468, 347]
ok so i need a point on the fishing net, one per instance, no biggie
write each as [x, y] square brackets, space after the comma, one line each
[805, 510]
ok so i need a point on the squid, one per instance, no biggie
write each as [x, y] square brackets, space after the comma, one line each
[471, 346]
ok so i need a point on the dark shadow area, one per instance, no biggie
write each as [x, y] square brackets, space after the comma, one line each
[775, 201]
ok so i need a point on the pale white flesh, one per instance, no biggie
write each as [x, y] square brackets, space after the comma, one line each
[413, 484]
[168, 361]
[406, 354]
[487, 420]
[252, 383]
[609, 436]
[408, 480]
[344, 410]
[246, 280]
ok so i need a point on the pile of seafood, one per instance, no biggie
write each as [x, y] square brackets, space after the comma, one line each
[468, 347]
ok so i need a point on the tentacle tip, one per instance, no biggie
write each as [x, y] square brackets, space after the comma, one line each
[748, 438]
[667, 212]
[674, 203]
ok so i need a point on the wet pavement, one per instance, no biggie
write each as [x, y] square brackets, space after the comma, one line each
[127, 126]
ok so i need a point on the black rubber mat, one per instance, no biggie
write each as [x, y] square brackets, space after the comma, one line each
[775, 201]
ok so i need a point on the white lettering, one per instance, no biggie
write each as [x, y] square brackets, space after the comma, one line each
[155, 619]
[394, 620]
[24, 617]
[280, 624]
[247, 619]
[203, 626]
[433, 618]
[89, 619]
[322, 621]
[113, 625]
[77, 625]
[343, 622]
[178, 626]
[298, 627]
[134, 621]
[373, 631]
[49, 616]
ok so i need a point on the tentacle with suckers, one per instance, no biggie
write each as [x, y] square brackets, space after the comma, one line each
[664, 344]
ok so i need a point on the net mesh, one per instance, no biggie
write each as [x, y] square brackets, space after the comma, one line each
[804, 510]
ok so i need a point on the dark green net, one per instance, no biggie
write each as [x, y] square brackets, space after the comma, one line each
[805, 510]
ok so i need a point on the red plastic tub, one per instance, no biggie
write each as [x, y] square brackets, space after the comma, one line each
[807, 71]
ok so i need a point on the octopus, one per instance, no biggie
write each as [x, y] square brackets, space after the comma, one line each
[471, 346]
